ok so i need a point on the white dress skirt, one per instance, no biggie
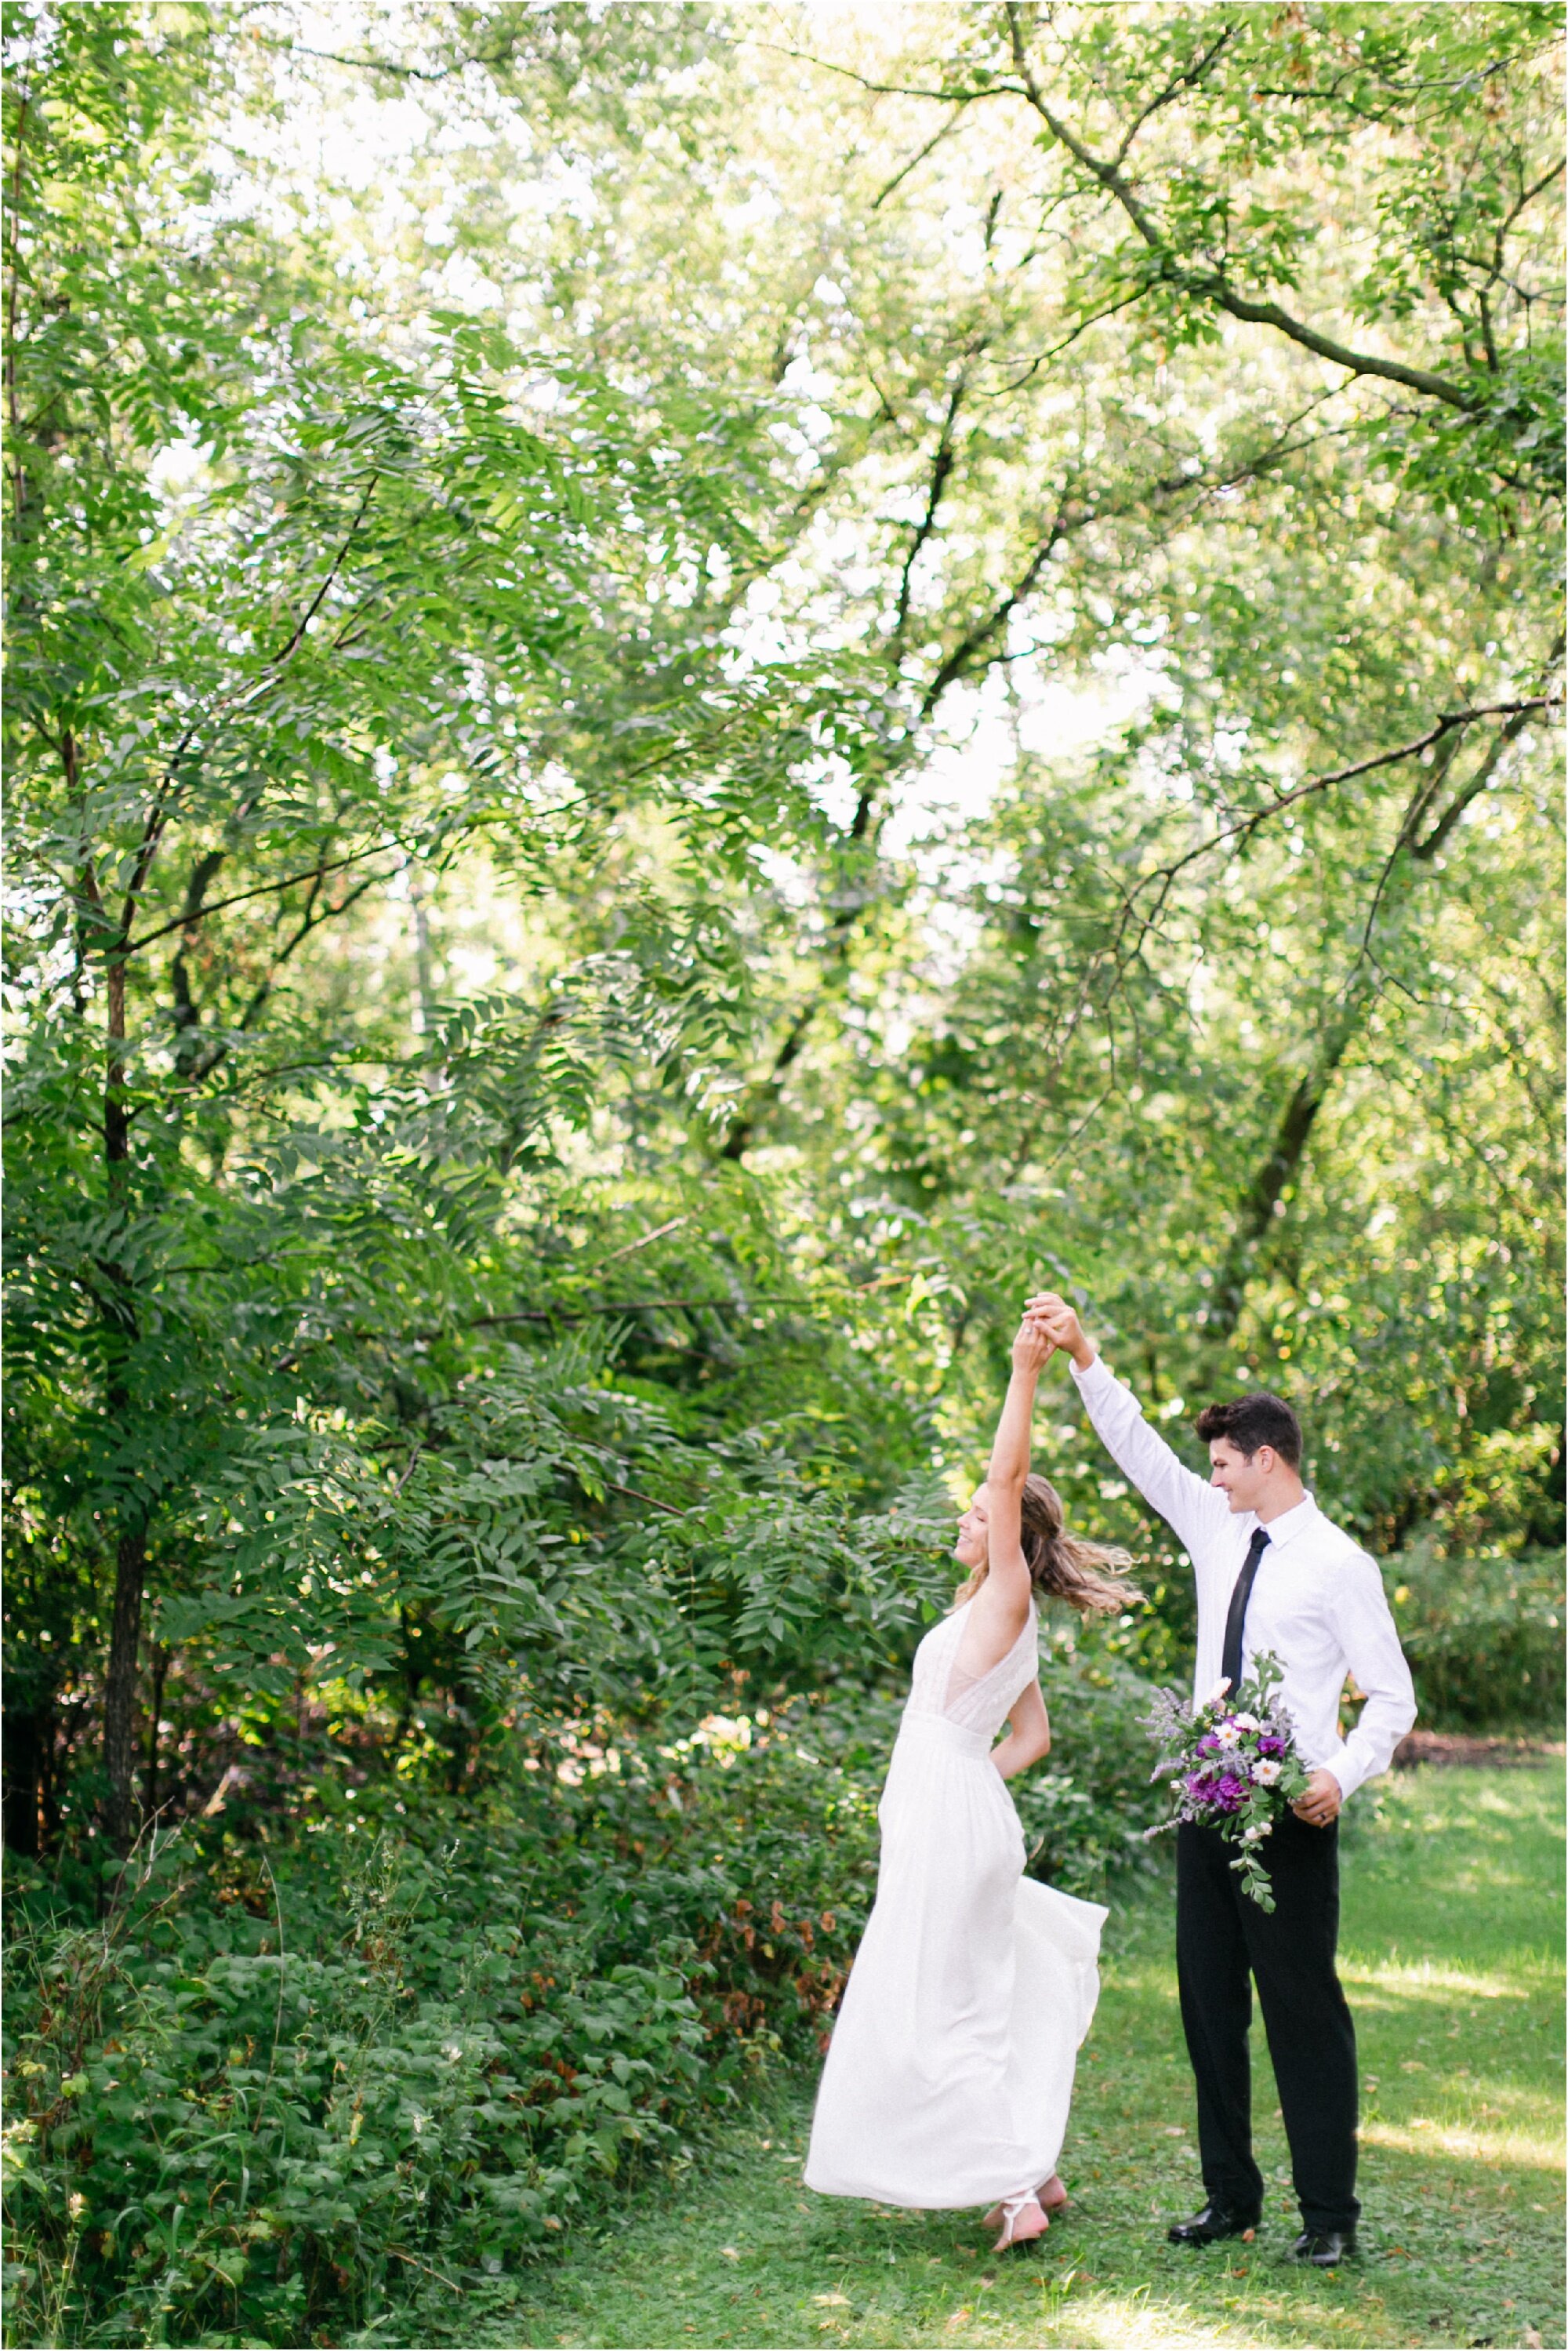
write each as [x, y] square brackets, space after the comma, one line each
[949, 2074]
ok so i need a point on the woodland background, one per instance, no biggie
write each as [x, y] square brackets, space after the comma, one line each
[695, 691]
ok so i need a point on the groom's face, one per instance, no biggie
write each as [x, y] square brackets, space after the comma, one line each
[1241, 1478]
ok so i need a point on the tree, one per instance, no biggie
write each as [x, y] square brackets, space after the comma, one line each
[294, 617]
[1112, 389]
[478, 712]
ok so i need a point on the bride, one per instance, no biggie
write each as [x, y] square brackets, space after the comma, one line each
[950, 2070]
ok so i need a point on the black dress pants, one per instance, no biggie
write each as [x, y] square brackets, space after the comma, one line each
[1224, 1943]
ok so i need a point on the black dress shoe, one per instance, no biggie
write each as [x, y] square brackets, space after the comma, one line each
[1207, 2227]
[1324, 2248]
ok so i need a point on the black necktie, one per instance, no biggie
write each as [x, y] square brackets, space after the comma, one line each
[1230, 1662]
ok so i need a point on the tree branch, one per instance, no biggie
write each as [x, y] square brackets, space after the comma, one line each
[885, 89]
[1213, 284]
[940, 467]
[222, 1047]
[1409, 840]
[1259, 1207]
[316, 601]
[742, 1127]
[1426, 847]
[902, 175]
[1270, 314]
[981, 634]
[1244, 827]
[1255, 1218]
[1188, 80]
[261, 890]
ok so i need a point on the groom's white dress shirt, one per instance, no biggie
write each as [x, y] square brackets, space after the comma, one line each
[1318, 1600]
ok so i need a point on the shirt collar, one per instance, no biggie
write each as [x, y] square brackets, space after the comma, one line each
[1290, 1523]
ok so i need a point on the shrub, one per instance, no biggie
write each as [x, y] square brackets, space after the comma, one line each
[241, 2110]
[1484, 1637]
[287, 2086]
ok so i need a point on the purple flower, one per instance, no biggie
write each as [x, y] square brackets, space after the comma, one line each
[1227, 1793]
[1208, 1744]
[1270, 1745]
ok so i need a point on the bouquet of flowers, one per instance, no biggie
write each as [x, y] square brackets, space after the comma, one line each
[1231, 1764]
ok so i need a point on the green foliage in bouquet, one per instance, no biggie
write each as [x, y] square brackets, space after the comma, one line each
[1232, 1765]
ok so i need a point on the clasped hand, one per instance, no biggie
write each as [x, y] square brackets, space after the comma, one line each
[1033, 1348]
[1048, 1325]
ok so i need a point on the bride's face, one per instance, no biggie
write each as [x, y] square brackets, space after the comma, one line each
[970, 1548]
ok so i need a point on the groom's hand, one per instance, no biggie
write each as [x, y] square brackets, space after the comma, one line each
[1061, 1326]
[1322, 1802]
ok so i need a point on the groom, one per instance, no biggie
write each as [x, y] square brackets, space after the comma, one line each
[1273, 1572]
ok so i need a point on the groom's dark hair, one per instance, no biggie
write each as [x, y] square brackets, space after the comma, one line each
[1249, 1421]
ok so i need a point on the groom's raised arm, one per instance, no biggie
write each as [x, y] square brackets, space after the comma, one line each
[1187, 1503]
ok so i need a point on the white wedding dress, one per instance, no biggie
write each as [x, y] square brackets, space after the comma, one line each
[950, 2074]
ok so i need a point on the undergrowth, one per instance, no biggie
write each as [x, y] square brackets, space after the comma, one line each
[293, 2083]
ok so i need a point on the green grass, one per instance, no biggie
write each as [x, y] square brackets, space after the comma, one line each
[1451, 1954]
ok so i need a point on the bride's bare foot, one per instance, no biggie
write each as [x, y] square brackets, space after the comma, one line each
[1051, 2196]
[1022, 2221]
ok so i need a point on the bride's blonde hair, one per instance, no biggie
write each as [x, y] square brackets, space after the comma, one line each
[1091, 1577]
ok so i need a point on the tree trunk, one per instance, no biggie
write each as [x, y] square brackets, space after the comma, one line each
[119, 1685]
[1281, 1167]
[130, 1552]
[26, 1732]
[155, 1708]
[1424, 829]
[117, 1308]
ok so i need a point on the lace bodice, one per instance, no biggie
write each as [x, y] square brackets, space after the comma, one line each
[975, 1703]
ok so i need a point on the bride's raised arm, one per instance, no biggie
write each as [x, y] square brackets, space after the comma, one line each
[1001, 1604]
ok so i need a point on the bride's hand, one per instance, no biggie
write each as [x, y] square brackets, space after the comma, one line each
[1033, 1348]
[1055, 1317]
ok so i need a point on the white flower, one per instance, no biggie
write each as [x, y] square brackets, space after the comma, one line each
[1265, 1771]
[1218, 1692]
[1251, 1835]
[1246, 1722]
[1228, 1735]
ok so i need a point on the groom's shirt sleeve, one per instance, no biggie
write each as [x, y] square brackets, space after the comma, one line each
[1370, 1645]
[1195, 1510]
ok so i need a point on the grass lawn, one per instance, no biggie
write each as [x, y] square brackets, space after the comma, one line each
[1451, 1953]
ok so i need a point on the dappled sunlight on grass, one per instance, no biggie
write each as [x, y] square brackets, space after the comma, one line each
[1422, 2134]
[1416, 1978]
[1107, 2321]
[1148, 1978]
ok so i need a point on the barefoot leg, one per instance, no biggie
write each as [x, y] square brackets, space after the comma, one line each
[1022, 2223]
